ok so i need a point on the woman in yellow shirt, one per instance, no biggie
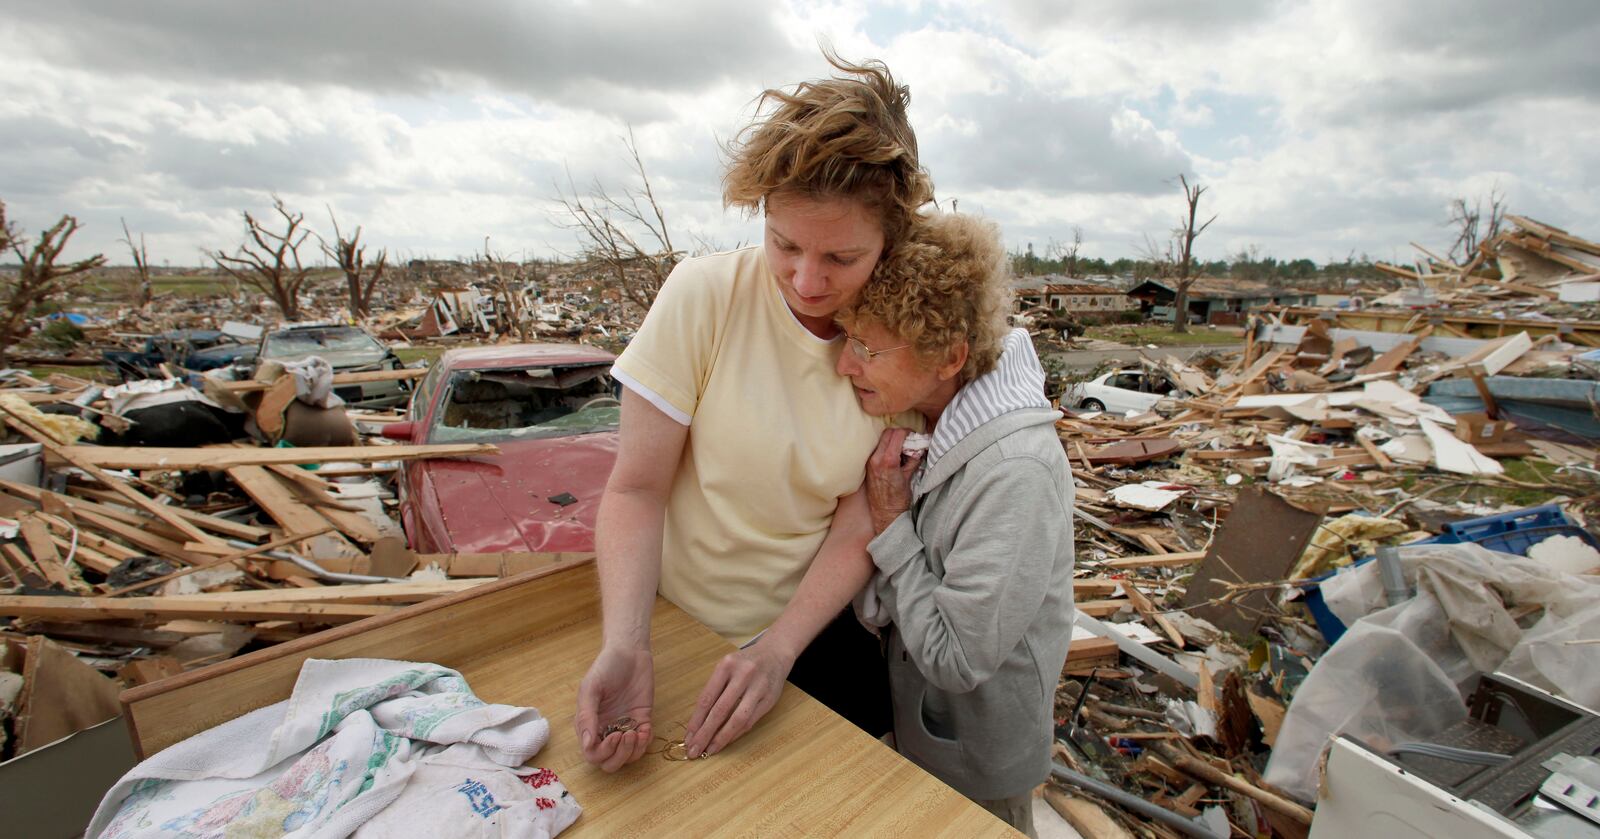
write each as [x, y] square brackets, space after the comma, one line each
[739, 442]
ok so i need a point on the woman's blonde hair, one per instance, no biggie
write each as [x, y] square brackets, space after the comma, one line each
[833, 138]
[949, 281]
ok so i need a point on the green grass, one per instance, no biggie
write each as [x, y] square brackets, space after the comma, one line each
[114, 287]
[1517, 469]
[93, 374]
[1163, 336]
[410, 355]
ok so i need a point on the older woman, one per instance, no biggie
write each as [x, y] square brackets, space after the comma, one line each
[738, 442]
[973, 542]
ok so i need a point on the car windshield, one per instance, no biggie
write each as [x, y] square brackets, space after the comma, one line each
[486, 406]
[300, 342]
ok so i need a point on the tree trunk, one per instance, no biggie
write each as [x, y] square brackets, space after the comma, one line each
[1180, 309]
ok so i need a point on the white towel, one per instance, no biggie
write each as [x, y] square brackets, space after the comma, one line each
[340, 752]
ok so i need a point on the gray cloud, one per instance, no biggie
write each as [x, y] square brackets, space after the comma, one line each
[554, 50]
[1139, 15]
[1048, 145]
[1435, 56]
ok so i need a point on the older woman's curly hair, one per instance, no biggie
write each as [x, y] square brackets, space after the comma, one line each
[831, 138]
[948, 281]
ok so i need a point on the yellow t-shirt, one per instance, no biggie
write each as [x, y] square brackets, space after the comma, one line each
[776, 437]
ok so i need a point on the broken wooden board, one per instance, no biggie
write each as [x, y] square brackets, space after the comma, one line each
[1390, 361]
[367, 377]
[1124, 452]
[215, 524]
[1085, 816]
[115, 522]
[93, 470]
[1172, 560]
[227, 457]
[369, 593]
[293, 517]
[207, 607]
[1258, 542]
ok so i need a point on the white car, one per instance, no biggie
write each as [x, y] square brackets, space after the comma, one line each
[1119, 391]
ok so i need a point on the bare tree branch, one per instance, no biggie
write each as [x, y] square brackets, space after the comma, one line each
[273, 266]
[612, 232]
[38, 277]
[140, 292]
[1469, 222]
[351, 257]
[1185, 235]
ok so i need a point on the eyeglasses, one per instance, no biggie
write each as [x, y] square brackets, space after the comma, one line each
[864, 354]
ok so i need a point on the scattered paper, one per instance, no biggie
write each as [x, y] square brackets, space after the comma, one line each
[1150, 495]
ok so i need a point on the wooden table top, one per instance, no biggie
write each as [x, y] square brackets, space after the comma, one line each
[802, 771]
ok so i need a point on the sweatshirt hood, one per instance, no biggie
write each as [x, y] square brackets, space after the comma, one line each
[1013, 392]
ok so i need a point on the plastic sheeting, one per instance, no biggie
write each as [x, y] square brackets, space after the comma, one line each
[1395, 676]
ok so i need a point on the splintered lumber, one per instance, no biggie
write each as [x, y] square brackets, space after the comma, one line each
[209, 607]
[228, 457]
[1212, 775]
[1085, 816]
[346, 517]
[21, 560]
[1100, 608]
[69, 454]
[223, 560]
[37, 534]
[1390, 361]
[369, 593]
[1257, 370]
[215, 524]
[338, 379]
[278, 502]
[1173, 560]
[1148, 611]
[1377, 454]
[112, 521]
[1554, 234]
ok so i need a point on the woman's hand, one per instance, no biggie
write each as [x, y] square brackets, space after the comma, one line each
[889, 478]
[743, 688]
[620, 684]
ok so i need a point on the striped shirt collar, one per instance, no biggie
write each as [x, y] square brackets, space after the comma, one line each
[1016, 383]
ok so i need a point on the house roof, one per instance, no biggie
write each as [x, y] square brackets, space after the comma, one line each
[1080, 288]
[1216, 288]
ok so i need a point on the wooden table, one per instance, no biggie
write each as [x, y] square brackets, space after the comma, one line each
[528, 640]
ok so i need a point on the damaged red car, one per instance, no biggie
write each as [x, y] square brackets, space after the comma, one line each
[552, 409]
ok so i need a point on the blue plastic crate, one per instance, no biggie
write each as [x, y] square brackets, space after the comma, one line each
[1512, 533]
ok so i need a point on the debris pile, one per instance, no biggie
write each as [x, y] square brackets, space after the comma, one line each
[1225, 545]
[130, 550]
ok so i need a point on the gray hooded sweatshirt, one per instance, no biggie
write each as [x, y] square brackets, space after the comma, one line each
[975, 581]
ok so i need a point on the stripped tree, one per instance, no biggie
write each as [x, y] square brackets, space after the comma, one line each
[38, 278]
[1184, 236]
[140, 291]
[628, 242]
[1472, 228]
[351, 257]
[269, 262]
[509, 278]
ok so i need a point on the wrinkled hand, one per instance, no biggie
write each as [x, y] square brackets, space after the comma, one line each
[889, 478]
[620, 683]
[743, 688]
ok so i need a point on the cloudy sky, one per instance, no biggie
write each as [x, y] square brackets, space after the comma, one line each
[1321, 128]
